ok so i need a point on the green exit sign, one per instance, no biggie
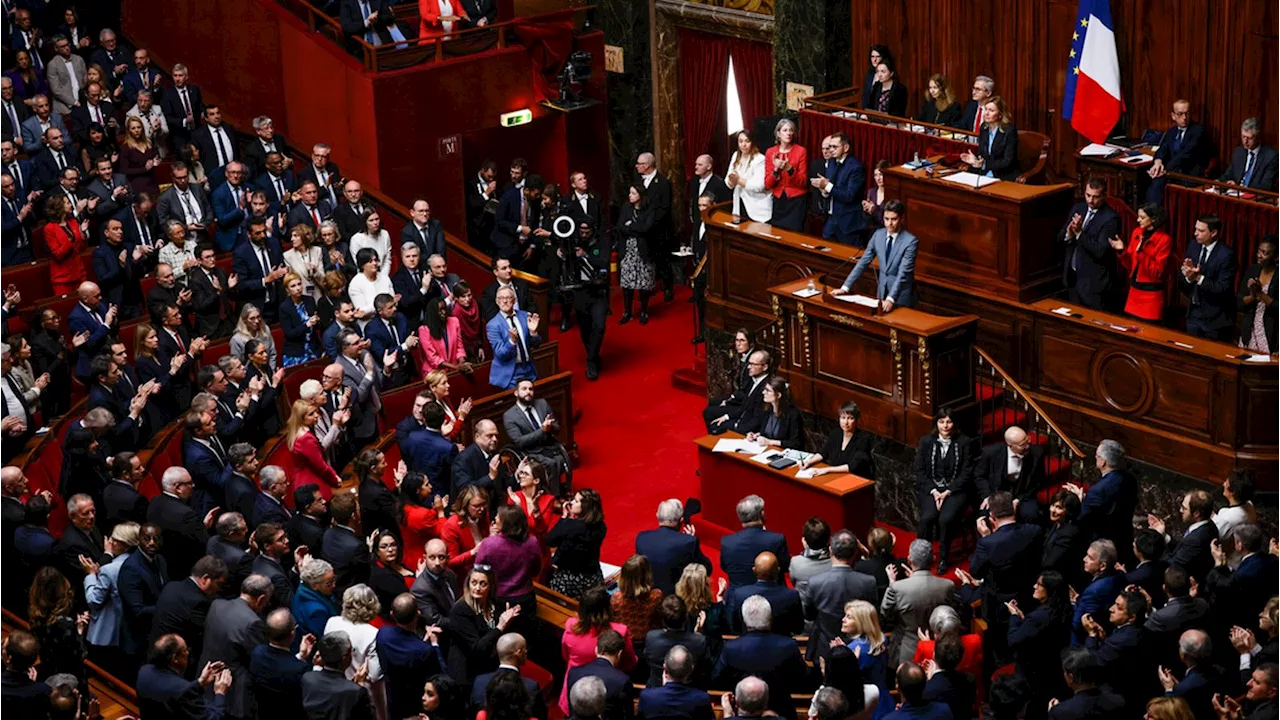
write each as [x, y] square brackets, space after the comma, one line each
[518, 117]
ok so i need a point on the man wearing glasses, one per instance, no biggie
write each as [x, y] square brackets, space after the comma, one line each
[971, 120]
[324, 173]
[230, 207]
[739, 409]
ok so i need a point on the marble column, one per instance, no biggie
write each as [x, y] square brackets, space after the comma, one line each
[811, 45]
[626, 25]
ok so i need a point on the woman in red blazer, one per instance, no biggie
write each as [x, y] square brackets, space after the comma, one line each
[466, 527]
[455, 419]
[1145, 259]
[785, 175]
[540, 507]
[305, 453]
[63, 237]
[440, 340]
[438, 17]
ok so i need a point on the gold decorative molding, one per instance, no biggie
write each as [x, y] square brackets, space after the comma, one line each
[924, 370]
[896, 348]
[781, 330]
[763, 7]
[846, 320]
[804, 333]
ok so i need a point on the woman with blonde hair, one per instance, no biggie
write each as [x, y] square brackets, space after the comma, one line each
[860, 631]
[437, 382]
[746, 177]
[939, 106]
[138, 157]
[305, 259]
[359, 607]
[466, 528]
[298, 320]
[997, 154]
[694, 589]
[1168, 708]
[786, 177]
[305, 454]
[146, 363]
[251, 326]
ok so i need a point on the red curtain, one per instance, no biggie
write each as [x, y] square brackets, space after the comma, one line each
[704, 72]
[870, 142]
[753, 69]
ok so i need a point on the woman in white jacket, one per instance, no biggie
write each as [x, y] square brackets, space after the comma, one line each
[751, 200]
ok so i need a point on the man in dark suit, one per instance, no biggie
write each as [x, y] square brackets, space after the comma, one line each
[439, 281]
[619, 695]
[674, 631]
[230, 545]
[268, 505]
[766, 654]
[1184, 148]
[272, 561]
[267, 141]
[211, 292]
[94, 317]
[436, 588]
[513, 653]
[20, 692]
[1148, 552]
[307, 525]
[174, 341]
[1194, 553]
[277, 181]
[163, 688]
[230, 201]
[412, 283]
[1089, 267]
[109, 187]
[323, 172]
[81, 538]
[784, 603]
[738, 550]
[478, 464]
[370, 20]
[583, 204]
[479, 13]
[677, 697]
[184, 603]
[217, 143]
[668, 549]
[311, 209]
[515, 220]
[1253, 165]
[971, 119]
[408, 659]
[1179, 614]
[259, 268]
[141, 580]
[140, 227]
[19, 224]
[328, 693]
[342, 546]
[843, 183]
[184, 533]
[1088, 700]
[1123, 653]
[205, 457]
[387, 333]
[238, 486]
[351, 212]
[275, 671]
[140, 77]
[120, 268]
[925, 700]
[1105, 585]
[35, 128]
[1006, 561]
[233, 628]
[703, 181]
[427, 451]
[533, 428]
[126, 432]
[183, 106]
[658, 192]
[482, 198]
[502, 277]
[121, 501]
[1201, 681]
[424, 231]
[1015, 466]
[14, 114]
[827, 592]
[1243, 592]
[1107, 510]
[97, 108]
[1207, 278]
[57, 155]
[738, 411]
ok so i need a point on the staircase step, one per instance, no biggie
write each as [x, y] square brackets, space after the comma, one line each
[986, 392]
[1001, 418]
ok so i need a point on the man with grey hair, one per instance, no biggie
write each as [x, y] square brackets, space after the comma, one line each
[587, 698]
[909, 601]
[328, 693]
[677, 697]
[323, 172]
[1253, 164]
[971, 119]
[183, 533]
[750, 699]
[1107, 510]
[268, 505]
[1200, 680]
[232, 629]
[828, 704]
[765, 654]
[658, 191]
[230, 545]
[182, 106]
[66, 75]
[154, 125]
[1106, 582]
[267, 141]
[738, 550]
[238, 486]
[828, 591]
[80, 541]
[670, 547]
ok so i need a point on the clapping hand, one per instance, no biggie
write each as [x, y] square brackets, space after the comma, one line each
[307, 647]
[533, 323]
[362, 674]
[1167, 680]
[1242, 640]
[1226, 707]
[1155, 523]
[1219, 554]
[43, 381]
[401, 472]
[1012, 607]
[1116, 244]
[88, 565]
[1074, 489]
[507, 616]
[210, 672]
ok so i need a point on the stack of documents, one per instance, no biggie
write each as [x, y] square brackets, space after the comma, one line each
[971, 179]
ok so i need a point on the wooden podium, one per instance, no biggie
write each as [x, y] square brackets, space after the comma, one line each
[997, 239]
[899, 367]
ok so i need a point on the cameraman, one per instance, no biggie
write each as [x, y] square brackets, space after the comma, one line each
[588, 269]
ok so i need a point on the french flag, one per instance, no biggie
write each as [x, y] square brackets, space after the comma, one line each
[1092, 100]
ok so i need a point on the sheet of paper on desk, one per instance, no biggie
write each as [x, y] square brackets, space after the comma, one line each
[766, 457]
[807, 292]
[857, 299]
[609, 572]
[1062, 311]
[1098, 150]
[1139, 159]
[805, 474]
[971, 179]
[737, 445]
[1259, 358]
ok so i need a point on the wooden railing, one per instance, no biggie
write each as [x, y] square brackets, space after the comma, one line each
[1002, 400]
[1265, 198]
[418, 50]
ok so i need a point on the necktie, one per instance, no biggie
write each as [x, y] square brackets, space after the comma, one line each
[97, 114]
[142, 231]
[225, 408]
[417, 278]
[522, 355]
[189, 206]
[524, 211]
[266, 264]
[1248, 168]
[315, 216]
[335, 398]
[1204, 256]
[216, 445]
[182, 348]
[888, 249]
[533, 420]
[224, 152]
[977, 121]
[13, 117]
[395, 336]
[1177, 143]
[186, 105]
[61, 161]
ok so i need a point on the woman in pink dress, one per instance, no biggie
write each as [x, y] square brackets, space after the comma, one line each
[440, 340]
[578, 644]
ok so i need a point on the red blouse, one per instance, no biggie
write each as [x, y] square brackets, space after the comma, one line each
[459, 542]
[791, 182]
[66, 244]
[309, 465]
[420, 525]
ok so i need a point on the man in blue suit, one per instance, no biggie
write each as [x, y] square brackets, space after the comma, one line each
[668, 549]
[33, 128]
[513, 334]
[1124, 653]
[677, 697]
[275, 672]
[344, 316]
[1194, 553]
[141, 77]
[1183, 148]
[912, 684]
[513, 653]
[1106, 584]
[896, 248]
[428, 452]
[842, 184]
[388, 332]
[516, 219]
[278, 182]
[105, 375]
[619, 695]
[259, 265]
[1208, 279]
[1202, 679]
[424, 231]
[766, 654]
[408, 659]
[230, 200]
[1089, 267]
[163, 690]
[738, 550]
[1006, 560]
[15, 248]
[92, 318]
[784, 603]
[1107, 510]
[142, 578]
[1246, 589]
[205, 458]
[311, 209]
[121, 280]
